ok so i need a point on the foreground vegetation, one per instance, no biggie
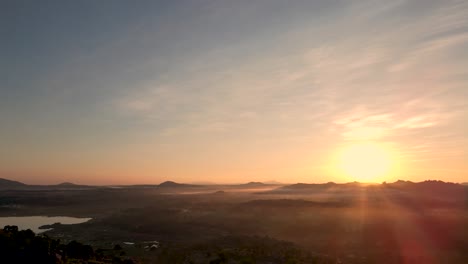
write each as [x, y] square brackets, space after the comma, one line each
[23, 246]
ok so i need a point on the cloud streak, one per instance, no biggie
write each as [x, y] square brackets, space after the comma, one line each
[314, 76]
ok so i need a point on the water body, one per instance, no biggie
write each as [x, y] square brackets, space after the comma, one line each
[34, 222]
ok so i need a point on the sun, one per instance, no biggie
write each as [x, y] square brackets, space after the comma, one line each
[367, 162]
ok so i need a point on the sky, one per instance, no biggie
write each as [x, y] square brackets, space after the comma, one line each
[124, 92]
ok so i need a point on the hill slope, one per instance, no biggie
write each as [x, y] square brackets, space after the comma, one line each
[9, 184]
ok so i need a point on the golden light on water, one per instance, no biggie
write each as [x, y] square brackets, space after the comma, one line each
[367, 162]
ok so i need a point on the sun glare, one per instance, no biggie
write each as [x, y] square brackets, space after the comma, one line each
[366, 162]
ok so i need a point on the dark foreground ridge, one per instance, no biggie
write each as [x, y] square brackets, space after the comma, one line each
[23, 246]
[26, 247]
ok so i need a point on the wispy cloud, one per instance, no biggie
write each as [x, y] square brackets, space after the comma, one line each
[392, 73]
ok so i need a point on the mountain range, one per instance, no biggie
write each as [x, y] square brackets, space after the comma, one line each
[425, 186]
[6, 184]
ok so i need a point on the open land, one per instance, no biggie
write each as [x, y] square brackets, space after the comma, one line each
[401, 222]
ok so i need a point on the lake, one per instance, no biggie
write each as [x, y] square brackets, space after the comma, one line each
[34, 222]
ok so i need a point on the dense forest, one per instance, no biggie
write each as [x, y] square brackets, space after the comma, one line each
[24, 246]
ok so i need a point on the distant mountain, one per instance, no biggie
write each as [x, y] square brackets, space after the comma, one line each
[9, 184]
[430, 186]
[253, 184]
[171, 184]
[434, 192]
[429, 194]
[399, 183]
[69, 185]
[307, 188]
[15, 185]
[65, 184]
[291, 203]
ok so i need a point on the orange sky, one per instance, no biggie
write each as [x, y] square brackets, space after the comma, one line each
[233, 91]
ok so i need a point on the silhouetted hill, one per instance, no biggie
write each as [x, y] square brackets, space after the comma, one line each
[426, 194]
[171, 184]
[438, 187]
[431, 186]
[66, 184]
[253, 184]
[9, 184]
[301, 188]
[15, 185]
[400, 184]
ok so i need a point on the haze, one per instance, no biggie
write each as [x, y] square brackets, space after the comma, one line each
[121, 92]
